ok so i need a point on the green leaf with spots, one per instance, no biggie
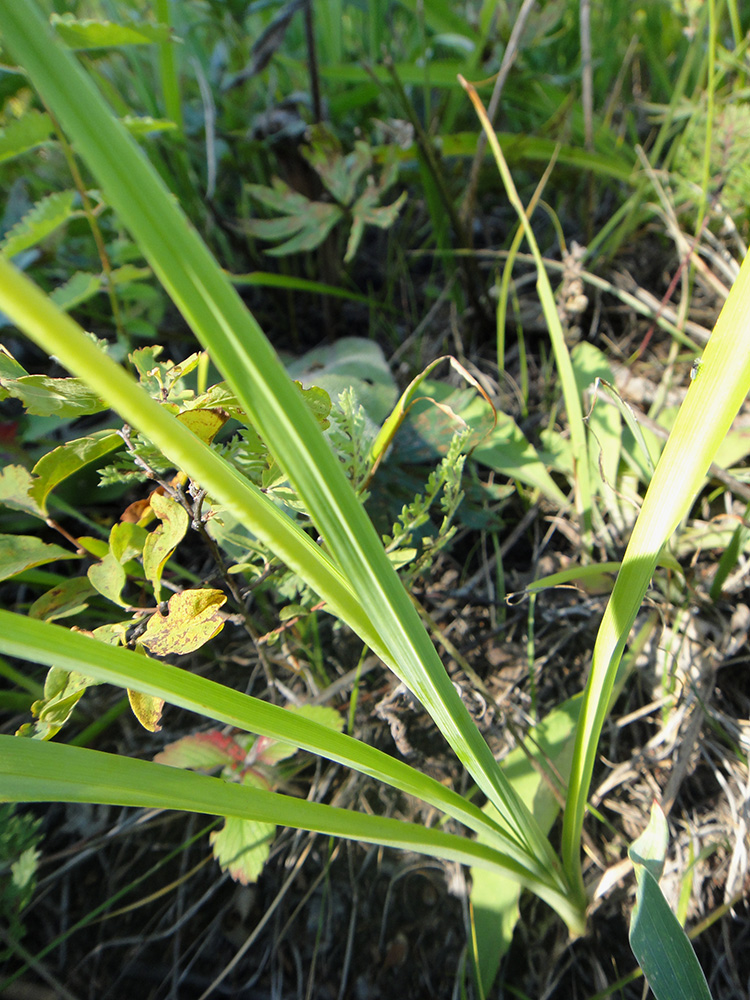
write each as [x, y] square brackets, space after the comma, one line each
[66, 599]
[21, 552]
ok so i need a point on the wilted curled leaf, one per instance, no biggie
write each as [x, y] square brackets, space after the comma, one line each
[193, 618]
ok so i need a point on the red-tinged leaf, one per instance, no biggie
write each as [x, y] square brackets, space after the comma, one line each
[147, 709]
[164, 539]
[193, 618]
[202, 752]
[241, 847]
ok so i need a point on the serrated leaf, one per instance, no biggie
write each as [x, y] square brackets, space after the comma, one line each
[66, 460]
[66, 599]
[16, 483]
[147, 708]
[81, 287]
[202, 752]
[63, 690]
[108, 577]
[21, 552]
[91, 34]
[60, 397]
[242, 847]
[193, 618]
[44, 218]
[366, 213]
[24, 134]
[164, 539]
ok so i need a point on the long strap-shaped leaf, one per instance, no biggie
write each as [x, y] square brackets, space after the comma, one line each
[53, 772]
[237, 345]
[712, 402]
[55, 646]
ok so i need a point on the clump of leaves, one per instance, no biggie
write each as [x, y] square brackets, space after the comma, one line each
[19, 858]
[354, 191]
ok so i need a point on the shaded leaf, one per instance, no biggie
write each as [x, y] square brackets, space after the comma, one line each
[63, 690]
[16, 483]
[193, 618]
[164, 539]
[44, 218]
[24, 134]
[242, 846]
[21, 552]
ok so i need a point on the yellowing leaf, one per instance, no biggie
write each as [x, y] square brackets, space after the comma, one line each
[205, 424]
[67, 598]
[147, 709]
[62, 462]
[192, 619]
[164, 539]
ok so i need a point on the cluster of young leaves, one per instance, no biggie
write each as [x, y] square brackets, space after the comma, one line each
[303, 223]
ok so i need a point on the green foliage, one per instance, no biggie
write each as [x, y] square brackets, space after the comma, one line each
[302, 223]
[19, 857]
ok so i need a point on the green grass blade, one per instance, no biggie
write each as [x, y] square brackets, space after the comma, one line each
[712, 402]
[53, 645]
[656, 937]
[234, 340]
[53, 772]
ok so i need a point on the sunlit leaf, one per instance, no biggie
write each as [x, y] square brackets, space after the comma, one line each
[193, 618]
[64, 461]
[164, 539]
[90, 34]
